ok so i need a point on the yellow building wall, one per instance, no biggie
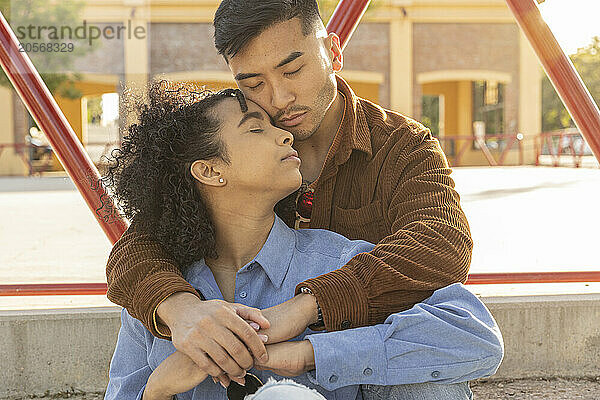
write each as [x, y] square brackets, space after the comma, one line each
[10, 162]
[75, 111]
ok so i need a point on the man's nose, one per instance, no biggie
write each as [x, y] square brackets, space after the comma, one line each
[282, 97]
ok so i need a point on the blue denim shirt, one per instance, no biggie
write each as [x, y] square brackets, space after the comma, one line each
[449, 337]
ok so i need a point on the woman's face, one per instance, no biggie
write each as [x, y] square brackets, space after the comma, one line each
[259, 152]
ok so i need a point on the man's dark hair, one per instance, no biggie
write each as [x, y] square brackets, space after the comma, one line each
[237, 22]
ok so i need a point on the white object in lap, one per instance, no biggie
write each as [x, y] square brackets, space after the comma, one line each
[284, 389]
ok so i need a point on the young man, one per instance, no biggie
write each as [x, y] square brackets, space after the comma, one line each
[375, 175]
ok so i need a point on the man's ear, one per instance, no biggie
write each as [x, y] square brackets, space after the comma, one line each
[337, 61]
[204, 172]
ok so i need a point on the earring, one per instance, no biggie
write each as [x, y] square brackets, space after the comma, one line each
[221, 180]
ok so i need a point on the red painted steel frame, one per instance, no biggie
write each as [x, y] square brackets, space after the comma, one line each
[37, 98]
[560, 70]
[344, 20]
[474, 279]
[346, 17]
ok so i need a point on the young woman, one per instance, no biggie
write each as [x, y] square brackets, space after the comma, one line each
[202, 173]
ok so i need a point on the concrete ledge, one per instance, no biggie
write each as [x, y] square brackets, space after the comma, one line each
[56, 350]
[546, 336]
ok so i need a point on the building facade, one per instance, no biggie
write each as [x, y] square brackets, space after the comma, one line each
[460, 66]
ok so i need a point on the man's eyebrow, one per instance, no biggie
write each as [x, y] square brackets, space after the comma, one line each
[247, 116]
[242, 76]
[290, 58]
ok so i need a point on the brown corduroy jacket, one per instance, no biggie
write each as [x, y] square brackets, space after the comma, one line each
[385, 180]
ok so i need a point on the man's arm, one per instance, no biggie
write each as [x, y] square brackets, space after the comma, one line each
[430, 246]
[140, 276]
[450, 337]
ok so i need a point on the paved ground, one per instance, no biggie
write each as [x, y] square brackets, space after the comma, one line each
[525, 389]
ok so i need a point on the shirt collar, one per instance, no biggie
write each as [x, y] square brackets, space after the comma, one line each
[354, 129]
[274, 257]
[276, 254]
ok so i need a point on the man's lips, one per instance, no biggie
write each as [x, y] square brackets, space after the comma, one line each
[293, 120]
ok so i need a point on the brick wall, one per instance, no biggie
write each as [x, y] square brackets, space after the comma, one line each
[368, 50]
[183, 47]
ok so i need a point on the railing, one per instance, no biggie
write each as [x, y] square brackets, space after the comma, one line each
[560, 145]
[455, 147]
[44, 164]
[23, 151]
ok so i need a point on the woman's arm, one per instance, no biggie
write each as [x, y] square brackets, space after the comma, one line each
[450, 337]
[129, 369]
[130, 375]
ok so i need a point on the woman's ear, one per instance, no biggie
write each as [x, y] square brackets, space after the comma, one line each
[204, 172]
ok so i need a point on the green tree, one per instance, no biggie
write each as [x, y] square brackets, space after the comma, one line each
[51, 65]
[587, 62]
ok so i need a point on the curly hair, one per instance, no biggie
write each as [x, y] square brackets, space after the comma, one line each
[149, 175]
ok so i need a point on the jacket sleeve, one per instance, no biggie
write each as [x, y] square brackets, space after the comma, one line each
[430, 246]
[140, 275]
[450, 337]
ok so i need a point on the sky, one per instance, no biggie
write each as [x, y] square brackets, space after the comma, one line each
[573, 22]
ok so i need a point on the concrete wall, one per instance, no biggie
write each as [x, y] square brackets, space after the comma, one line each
[56, 350]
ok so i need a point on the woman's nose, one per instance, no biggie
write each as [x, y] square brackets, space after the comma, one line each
[285, 138]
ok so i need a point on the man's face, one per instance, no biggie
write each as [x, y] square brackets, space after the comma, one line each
[291, 76]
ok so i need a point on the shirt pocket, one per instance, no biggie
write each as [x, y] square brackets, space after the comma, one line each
[365, 223]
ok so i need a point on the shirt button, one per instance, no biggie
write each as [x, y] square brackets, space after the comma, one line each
[368, 372]
[435, 374]
[345, 324]
[250, 267]
[333, 379]
[243, 295]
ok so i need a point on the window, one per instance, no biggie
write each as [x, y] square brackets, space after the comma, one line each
[488, 110]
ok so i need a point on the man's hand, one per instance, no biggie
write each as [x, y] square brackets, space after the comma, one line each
[289, 358]
[215, 334]
[290, 319]
[176, 374]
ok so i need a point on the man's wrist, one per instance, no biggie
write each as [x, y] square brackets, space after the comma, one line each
[308, 308]
[318, 324]
[167, 309]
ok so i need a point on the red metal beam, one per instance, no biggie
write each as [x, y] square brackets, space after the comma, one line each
[37, 98]
[560, 70]
[57, 289]
[534, 277]
[344, 20]
[53, 289]
[346, 17]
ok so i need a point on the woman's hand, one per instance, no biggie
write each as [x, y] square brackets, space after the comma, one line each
[215, 334]
[176, 374]
[289, 358]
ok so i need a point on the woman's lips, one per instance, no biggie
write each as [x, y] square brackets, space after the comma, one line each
[292, 158]
[296, 120]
